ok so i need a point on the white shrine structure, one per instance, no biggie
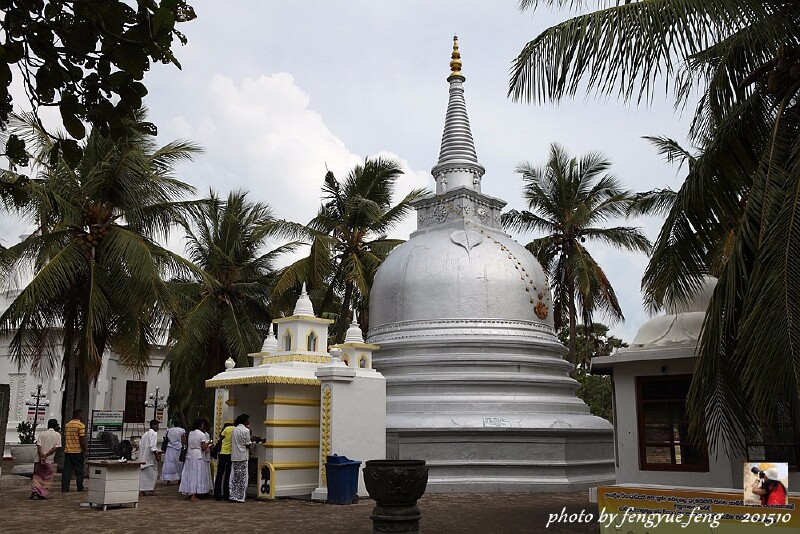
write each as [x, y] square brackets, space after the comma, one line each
[476, 380]
[651, 381]
[306, 404]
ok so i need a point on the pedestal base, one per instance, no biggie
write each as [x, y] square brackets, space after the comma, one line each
[508, 460]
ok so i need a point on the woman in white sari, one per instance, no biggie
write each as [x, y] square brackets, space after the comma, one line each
[171, 470]
[196, 479]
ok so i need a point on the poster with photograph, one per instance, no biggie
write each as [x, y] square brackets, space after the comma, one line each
[766, 483]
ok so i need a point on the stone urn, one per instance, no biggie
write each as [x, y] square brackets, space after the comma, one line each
[396, 486]
[24, 456]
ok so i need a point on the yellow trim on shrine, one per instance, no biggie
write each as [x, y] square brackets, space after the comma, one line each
[325, 449]
[355, 345]
[271, 494]
[307, 358]
[295, 465]
[292, 444]
[232, 402]
[265, 379]
[291, 401]
[291, 422]
[303, 318]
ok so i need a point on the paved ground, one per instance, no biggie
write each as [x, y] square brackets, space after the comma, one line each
[169, 511]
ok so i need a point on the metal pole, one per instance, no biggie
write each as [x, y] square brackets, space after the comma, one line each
[36, 413]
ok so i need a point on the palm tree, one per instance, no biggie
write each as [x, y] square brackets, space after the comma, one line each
[224, 308]
[568, 199]
[97, 269]
[740, 195]
[348, 240]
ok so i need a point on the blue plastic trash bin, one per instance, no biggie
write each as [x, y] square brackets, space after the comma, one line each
[342, 476]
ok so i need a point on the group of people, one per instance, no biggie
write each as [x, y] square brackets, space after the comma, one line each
[186, 458]
[232, 453]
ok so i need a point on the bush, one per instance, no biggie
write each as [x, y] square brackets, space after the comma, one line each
[27, 433]
[596, 392]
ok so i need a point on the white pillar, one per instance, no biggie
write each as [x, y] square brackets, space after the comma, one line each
[352, 418]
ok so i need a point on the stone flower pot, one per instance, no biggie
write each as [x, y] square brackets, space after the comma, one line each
[396, 486]
[24, 457]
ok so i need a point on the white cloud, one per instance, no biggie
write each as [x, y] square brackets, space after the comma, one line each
[260, 135]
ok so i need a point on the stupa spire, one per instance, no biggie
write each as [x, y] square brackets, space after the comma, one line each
[458, 163]
[354, 334]
[303, 306]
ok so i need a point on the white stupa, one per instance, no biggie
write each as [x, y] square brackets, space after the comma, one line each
[476, 381]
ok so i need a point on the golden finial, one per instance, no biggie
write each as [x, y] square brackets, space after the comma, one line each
[455, 61]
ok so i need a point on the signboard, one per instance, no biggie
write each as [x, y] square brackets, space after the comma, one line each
[649, 509]
[32, 414]
[107, 421]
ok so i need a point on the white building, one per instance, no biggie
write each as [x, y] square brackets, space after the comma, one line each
[116, 389]
[651, 380]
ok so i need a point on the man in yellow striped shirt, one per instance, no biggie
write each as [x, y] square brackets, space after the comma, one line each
[74, 451]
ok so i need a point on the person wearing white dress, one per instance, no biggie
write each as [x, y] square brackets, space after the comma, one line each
[195, 478]
[171, 470]
[149, 453]
[207, 455]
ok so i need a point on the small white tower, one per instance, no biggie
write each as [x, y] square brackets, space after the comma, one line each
[355, 352]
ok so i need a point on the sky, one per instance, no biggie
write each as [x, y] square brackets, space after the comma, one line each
[278, 92]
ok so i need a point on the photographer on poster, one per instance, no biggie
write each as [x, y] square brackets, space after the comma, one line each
[769, 487]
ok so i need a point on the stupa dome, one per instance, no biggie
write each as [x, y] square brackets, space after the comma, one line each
[682, 322]
[698, 302]
[459, 274]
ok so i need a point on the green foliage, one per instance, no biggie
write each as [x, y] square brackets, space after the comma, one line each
[88, 58]
[595, 390]
[97, 269]
[223, 309]
[597, 393]
[570, 200]
[735, 215]
[590, 342]
[26, 432]
[348, 242]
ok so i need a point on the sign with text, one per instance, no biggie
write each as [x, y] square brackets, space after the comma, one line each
[648, 509]
[107, 421]
[39, 417]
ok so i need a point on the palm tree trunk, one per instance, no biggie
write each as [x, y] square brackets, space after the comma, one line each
[76, 394]
[344, 313]
[573, 330]
[215, 356]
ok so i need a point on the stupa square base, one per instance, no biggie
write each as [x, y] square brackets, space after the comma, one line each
[507, 460]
